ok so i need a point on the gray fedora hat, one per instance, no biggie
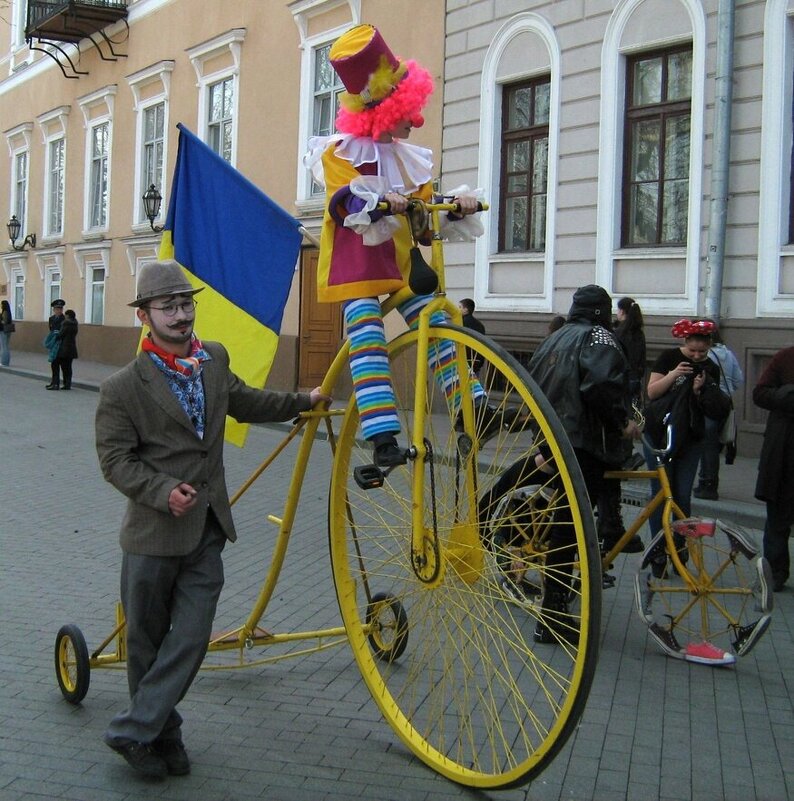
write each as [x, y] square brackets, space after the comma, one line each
[159, 279]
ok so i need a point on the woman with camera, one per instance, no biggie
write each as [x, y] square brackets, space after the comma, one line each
[685, 383]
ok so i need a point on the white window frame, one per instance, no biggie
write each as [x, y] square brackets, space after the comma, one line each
[19, 144]
[776, 155]
[17, 280]
[52, 125]
[97, 109]
[50, 231]
[53, 279]
[610, 160]
[90, 256]
[140, 81]
[229, 42]
[15, 269]
[303, 13]
[486, 247]
[90, 270]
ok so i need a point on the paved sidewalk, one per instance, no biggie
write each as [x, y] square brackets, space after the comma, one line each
[737, 481]
[306, 729]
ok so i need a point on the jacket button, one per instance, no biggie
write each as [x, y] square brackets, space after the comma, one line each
[204, 454]
[205, 484]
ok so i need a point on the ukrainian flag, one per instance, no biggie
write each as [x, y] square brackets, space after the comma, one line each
[234, 240]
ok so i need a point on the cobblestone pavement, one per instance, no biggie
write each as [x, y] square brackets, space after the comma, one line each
[306, 729]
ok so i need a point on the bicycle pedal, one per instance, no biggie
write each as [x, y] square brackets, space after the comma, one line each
[607, 581]
[368, 476]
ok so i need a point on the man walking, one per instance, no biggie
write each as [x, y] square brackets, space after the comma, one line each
[159, 437]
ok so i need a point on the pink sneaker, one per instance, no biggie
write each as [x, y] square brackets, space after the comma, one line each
[704, 653]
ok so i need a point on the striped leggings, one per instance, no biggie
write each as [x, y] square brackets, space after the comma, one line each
[369, 363]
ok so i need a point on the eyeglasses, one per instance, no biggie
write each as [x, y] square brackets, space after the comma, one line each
[170, 309]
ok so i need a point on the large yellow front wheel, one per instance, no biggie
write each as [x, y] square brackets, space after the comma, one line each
[444, 644]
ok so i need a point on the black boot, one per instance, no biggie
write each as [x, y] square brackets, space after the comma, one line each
[387, 452]
[52, 386]
[707, 490]
[610, 520]
[556, 623]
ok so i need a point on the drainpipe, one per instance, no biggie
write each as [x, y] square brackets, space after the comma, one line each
[720, 161]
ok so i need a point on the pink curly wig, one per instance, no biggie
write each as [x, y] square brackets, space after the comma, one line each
[404, 103]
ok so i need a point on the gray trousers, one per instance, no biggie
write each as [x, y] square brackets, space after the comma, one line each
[169, 605]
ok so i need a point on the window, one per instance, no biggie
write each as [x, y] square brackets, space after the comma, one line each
[96, 296]
[217, 66]
[18, 294]
[153, 144]
[56, 154]
[327, 87]
[98, 187]
[19, 204]
[656, 155]
[221, 118]
[524, 166]
[52, 288]
[97, 109]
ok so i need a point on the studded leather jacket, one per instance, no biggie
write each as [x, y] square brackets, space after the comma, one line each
[583, 371]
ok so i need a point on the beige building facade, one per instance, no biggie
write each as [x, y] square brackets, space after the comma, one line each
[590, 125]
[90, 126]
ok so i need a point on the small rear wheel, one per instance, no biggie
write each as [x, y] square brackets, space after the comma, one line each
[72, 667]
[388, 627]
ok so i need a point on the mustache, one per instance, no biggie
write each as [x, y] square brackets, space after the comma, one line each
[179, 323]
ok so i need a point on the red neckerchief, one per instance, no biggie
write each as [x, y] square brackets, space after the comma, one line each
[184, 365]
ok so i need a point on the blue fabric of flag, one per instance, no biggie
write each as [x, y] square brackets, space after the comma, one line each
[229, 233]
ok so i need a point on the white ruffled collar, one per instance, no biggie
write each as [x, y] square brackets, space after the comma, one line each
[406, 167]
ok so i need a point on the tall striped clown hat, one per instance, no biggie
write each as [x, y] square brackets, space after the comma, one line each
[382, 90]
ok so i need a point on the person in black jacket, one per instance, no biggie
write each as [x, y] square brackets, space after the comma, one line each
[629, 333]
[55, 322]
[470, 321]
[775, 392]
[67, 351]
[582, 370]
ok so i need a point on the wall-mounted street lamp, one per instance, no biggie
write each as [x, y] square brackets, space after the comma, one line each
[151, 206]
[14, 226]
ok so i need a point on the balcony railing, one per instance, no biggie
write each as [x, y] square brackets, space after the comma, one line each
[71, 20]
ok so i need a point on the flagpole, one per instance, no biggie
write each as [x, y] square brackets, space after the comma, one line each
[313, 239]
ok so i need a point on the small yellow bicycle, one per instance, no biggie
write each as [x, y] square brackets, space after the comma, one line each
[444, 648]
[702, 587]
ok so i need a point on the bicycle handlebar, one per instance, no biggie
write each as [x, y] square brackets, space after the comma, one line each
[385, 206]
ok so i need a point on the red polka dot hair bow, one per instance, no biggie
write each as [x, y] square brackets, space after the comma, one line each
[687, 328]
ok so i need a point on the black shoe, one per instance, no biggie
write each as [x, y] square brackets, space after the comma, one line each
[556, 624]
[778, 584]
[173, 753]
[66, 387]
[387, 452]
[488, 420]
[635, 462]
[142, 758]
[707, 491]
[52, 386]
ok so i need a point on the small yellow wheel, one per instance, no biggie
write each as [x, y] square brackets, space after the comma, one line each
[388, 627]
[472, 694]
[72, 667]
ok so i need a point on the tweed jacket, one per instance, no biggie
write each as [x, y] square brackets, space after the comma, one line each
[147, 446]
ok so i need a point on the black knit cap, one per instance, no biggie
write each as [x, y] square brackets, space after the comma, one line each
[592, 302]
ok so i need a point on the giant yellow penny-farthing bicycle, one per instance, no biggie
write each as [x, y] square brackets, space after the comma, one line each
[448, 655]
